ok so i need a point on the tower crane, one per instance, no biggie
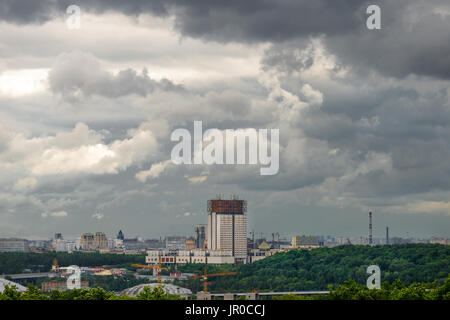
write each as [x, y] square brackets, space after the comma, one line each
[206, 275]
[157, 267]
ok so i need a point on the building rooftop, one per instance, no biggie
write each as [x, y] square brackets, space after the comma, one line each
[168, 288]
[4, 282]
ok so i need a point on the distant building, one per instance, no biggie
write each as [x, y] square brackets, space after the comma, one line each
[444, 241]
[120, 235]
[59, 244]
[264, 246]
[87, 241]
[227, 226]
[48, 286]
[305, 242]
[14, 245]
[4, 283]
[259, 254]
[134, 244]
[39, 245]
[175, 242]
[190, 243]
[100, 240]
[174, 256]
[200, 235]
[153, 244]
[90, 241]
[137, 244]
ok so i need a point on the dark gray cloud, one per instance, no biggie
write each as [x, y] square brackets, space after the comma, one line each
[414, 38]
[356, 128]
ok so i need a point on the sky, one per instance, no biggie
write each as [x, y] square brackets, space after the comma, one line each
[86, 115]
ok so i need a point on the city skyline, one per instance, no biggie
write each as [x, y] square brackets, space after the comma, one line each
[87, 112]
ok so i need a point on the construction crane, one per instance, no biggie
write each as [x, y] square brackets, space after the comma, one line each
[206, 275]
[157, 267]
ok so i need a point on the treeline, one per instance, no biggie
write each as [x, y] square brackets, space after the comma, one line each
[17, 262]
[350, 290]
[33, 293]
[317, 269]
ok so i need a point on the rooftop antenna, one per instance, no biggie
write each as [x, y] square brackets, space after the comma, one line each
[370, 228]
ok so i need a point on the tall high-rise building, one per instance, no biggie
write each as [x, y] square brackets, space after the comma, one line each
[227, 226]
[200, 235]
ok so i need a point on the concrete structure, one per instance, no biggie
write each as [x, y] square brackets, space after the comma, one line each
[4, 283]
[175, 242]
[90, 241]
[14, 245]
[190, 244]
[305, 242]
[227, 226]
[256, 295]
[39, 245]
[258, 254]
[174, 256]
[444, 241]
[63, 245]
[47, 286]
[168, 288]
[200, 235]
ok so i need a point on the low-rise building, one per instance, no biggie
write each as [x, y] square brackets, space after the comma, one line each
[305, 242]
[444, 241]
[175, 242]
[14, 245]
[174, 256]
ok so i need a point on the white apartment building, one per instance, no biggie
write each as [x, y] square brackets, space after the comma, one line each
[189, 256]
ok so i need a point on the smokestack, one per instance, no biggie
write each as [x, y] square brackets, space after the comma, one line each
[370, 228]
[387, 235]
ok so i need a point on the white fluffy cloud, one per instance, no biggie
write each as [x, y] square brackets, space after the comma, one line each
[78, 151]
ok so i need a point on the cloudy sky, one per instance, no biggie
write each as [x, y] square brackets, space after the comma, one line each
[86, 115]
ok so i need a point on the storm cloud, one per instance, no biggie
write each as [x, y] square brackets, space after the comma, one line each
[86, 115]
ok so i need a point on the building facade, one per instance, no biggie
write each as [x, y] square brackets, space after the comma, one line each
[174, 256]
[190, 244]
[14, 245]
[200, 235]
[175, 242]
[305, 242]
[227, 227]
[89, 241]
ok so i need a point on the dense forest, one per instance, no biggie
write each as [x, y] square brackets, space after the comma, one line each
[316, 269]
[17, 262]
[288, 271]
